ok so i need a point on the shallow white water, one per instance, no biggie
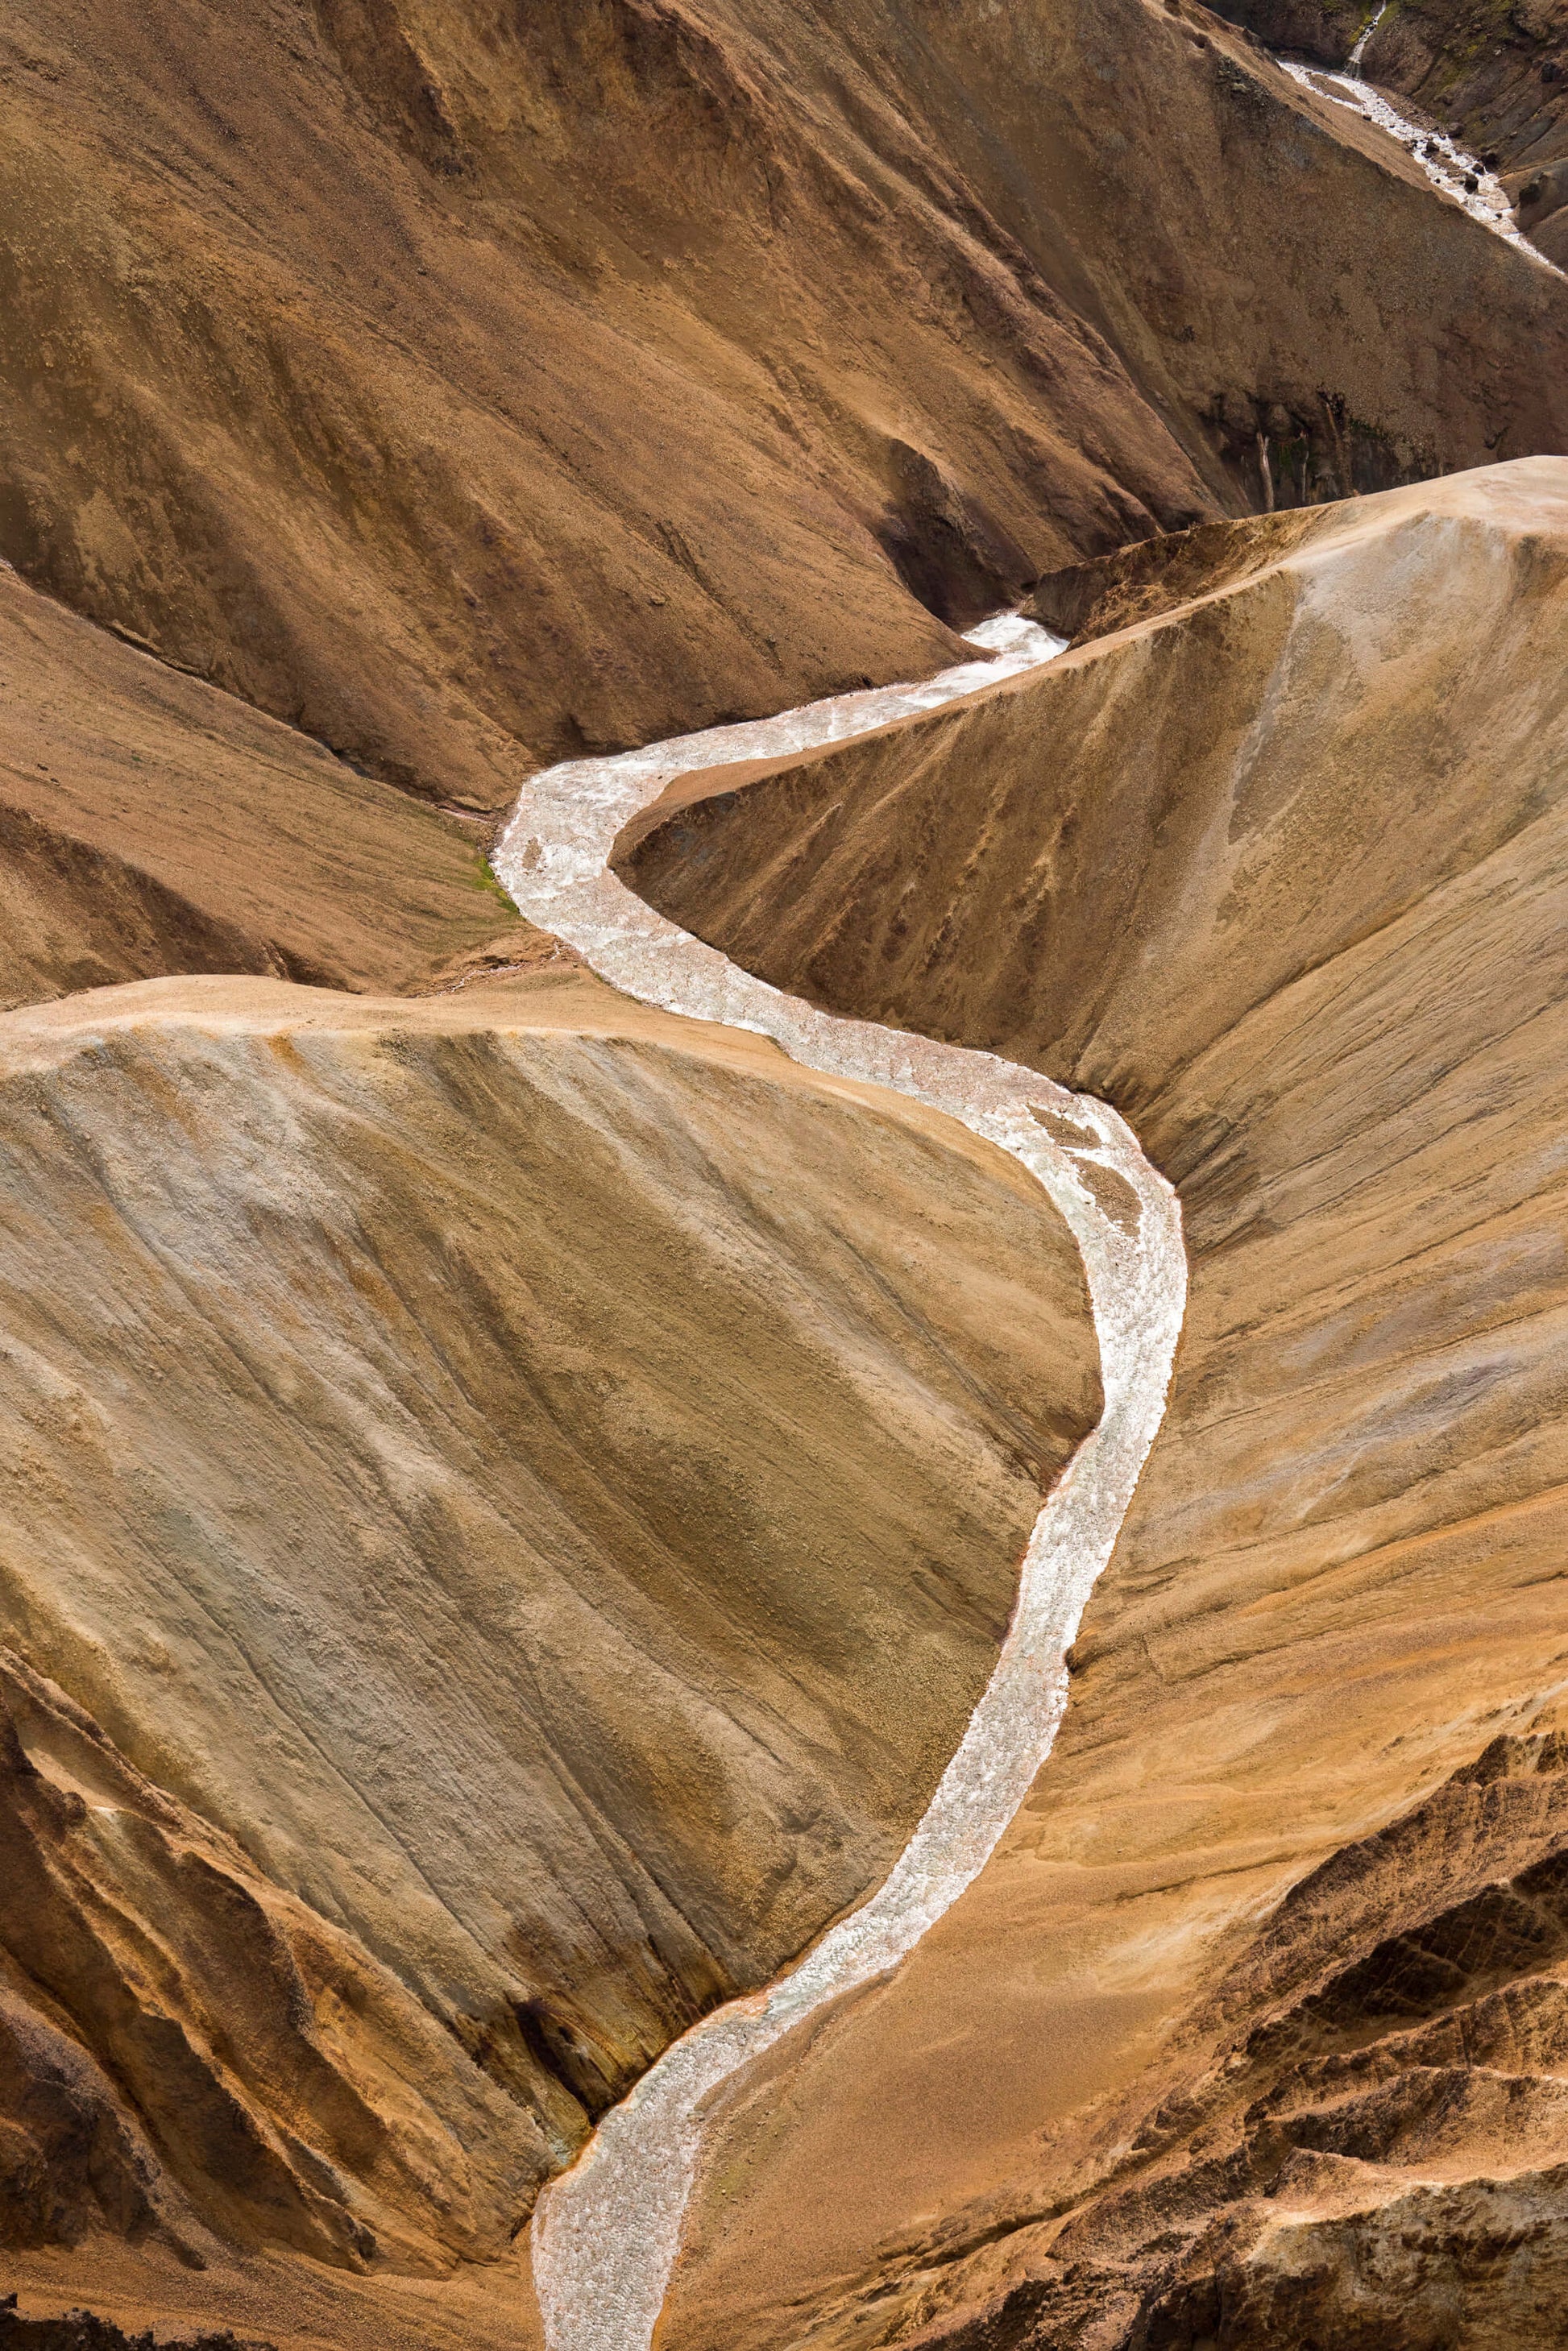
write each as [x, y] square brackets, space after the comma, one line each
[1445, 162]
[606, 2233]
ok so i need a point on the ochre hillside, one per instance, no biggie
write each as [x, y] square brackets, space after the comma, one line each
[472, 386]
[422, 1700]
[1280, 870]
[152, 825]
[544, 1543]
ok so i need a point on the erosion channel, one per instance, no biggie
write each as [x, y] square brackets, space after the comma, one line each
[605, 2235]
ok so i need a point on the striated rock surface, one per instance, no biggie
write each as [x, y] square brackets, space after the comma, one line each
[472, 387]
[1373, 2150]
[1277, 866]
[511, 1501]
[192, 2059]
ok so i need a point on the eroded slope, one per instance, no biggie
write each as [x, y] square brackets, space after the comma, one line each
[1497, 74]
[152, 825]
[1279, 869]
[1371, 2150]
[512, 1500]
[474, 387]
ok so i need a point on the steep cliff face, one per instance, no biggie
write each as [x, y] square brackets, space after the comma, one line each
[511, 1502]
[470, 385]
[1276, 866]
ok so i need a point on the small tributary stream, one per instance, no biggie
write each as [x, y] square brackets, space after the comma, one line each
[605, 2234]
[1448, 166]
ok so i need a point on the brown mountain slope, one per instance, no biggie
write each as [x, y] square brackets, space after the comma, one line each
[471, 385]
[151, 824]
[1280, 870]
[510, 1503]
[1371, 2152]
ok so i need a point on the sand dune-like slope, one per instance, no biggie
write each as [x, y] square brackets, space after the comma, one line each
[1279, 868]
[475, 386]
[510, 1502]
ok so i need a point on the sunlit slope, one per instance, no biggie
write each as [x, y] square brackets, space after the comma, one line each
[151, 825]
[1279, 869]
[512, 1502]
[475, 388]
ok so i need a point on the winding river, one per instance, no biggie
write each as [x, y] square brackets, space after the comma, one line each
[606, 2233]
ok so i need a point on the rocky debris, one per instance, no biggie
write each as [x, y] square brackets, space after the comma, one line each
[512, 1499]
[84, 2330]
[1540, 192]
[1497, 75]
[1274, 863]
[1455, 174]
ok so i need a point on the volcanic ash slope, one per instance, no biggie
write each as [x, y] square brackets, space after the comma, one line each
[1275, 859]
[511, 1501]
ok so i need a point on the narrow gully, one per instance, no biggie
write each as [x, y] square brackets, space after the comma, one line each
[1450, 167]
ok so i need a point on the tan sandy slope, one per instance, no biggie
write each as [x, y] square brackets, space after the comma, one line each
[1279, 870]
[510, 1500]
[151, 824]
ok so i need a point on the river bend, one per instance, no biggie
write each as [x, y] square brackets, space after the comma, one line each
[605, 2234]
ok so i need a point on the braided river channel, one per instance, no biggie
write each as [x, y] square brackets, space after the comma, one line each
[606, 2233]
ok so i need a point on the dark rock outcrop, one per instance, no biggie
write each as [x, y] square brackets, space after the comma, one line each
[84, 2330]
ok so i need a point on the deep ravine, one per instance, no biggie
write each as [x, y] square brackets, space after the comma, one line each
[606, 2233]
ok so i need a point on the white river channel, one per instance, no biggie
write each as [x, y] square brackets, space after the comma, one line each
[1448, 166]
[605, 2233]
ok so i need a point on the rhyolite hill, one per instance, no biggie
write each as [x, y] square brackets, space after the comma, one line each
[511, 1496]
